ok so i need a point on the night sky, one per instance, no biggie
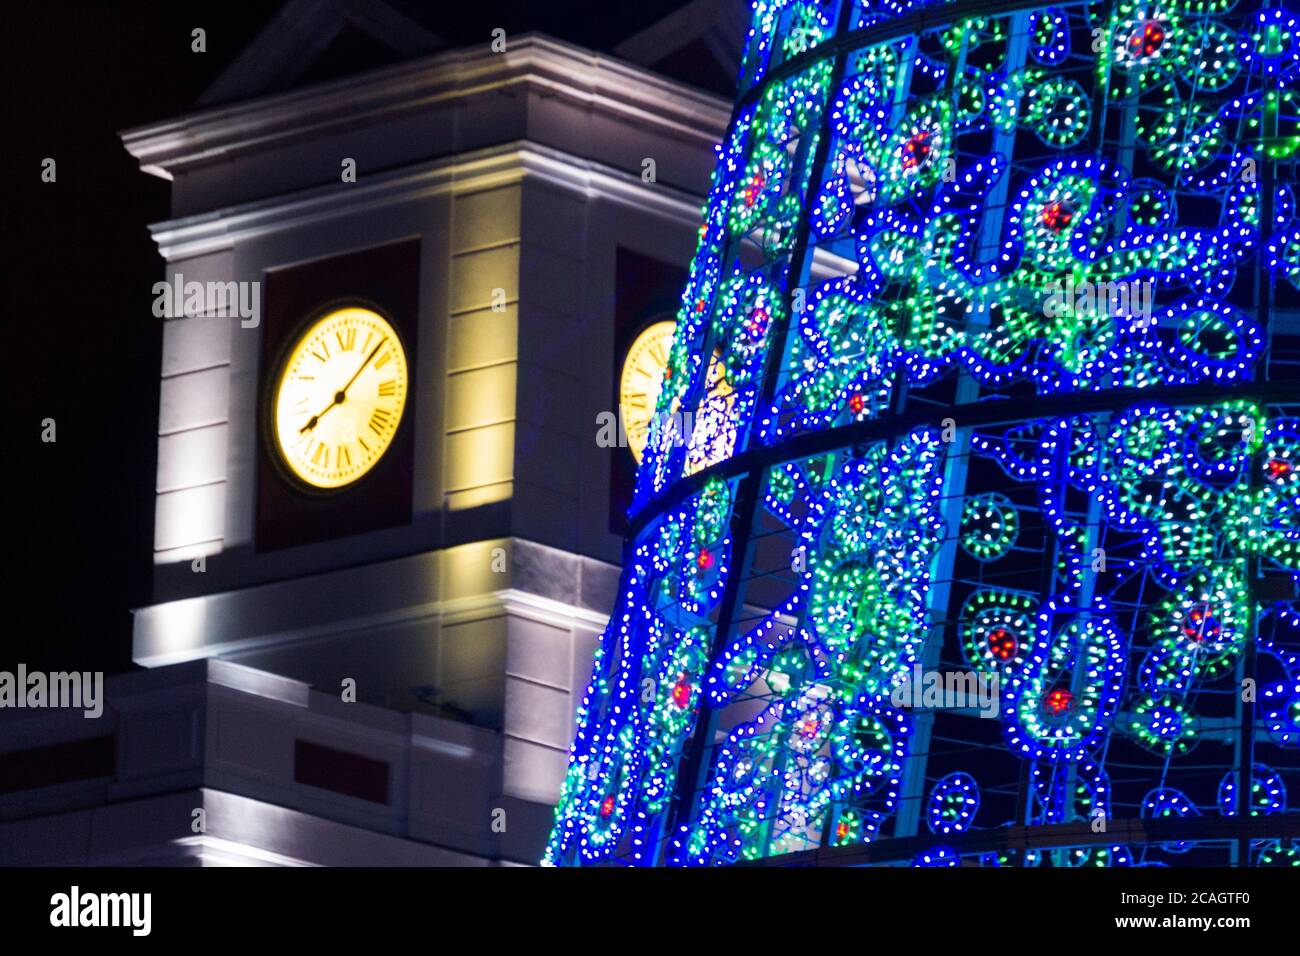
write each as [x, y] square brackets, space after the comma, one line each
[82, 345]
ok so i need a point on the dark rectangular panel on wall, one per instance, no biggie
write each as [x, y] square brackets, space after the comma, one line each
[56, 764]
[342, 772]
[386, 279]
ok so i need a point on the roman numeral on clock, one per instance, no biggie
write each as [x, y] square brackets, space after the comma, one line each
[379, 420]
[388, 389]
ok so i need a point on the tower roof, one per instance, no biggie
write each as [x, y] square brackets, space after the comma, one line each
[313, 41]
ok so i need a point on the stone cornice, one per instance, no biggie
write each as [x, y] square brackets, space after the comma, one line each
[482, 169]
[531, 62]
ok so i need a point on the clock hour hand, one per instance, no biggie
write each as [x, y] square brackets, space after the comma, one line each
[341, 395]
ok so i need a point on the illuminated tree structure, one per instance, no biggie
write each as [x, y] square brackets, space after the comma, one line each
[1006, 307]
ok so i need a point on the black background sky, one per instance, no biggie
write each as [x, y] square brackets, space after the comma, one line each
[80, 343]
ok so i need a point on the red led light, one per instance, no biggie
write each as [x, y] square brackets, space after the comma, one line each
[682, 692]
[705, 560]
[1059, 701]
[1003, 644]
[1278, 467]
[857, 403]
[1057, 216]
[607, 806]
[1201, 625]
[842, 831]
[916, 150]
[1149, 41]
[754, 188]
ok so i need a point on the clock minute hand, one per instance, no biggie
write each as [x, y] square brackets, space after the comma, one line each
[373, 352]
[342, 393]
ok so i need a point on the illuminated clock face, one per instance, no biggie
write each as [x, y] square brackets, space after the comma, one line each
[714, 433]
[339, 398]
[639, 384]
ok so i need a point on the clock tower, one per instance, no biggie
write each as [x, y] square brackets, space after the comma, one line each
[385, 487]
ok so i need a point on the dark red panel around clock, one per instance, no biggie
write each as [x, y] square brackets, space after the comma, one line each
[386, 279]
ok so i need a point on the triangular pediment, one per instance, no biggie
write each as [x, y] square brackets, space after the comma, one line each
[314, 41]
[700, 43]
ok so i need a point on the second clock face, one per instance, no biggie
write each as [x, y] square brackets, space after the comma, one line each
[340, 397]
[640, 381]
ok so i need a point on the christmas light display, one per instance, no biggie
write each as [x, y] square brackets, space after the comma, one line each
[993, 338]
